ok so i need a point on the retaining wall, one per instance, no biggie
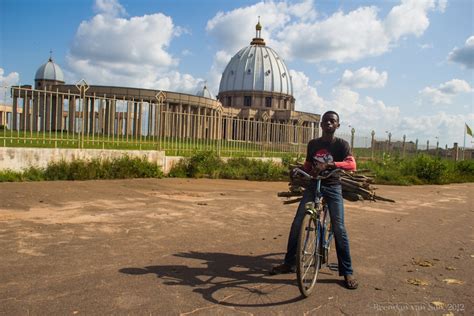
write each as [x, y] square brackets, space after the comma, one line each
[18, 159]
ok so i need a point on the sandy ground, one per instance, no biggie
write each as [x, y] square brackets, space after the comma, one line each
[204, 247]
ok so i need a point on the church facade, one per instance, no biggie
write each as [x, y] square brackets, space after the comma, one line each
[255, 103]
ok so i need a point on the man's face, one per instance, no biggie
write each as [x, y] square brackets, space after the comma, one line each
[329, 123]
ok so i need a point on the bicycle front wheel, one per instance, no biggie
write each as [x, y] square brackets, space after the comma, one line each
[308, 255]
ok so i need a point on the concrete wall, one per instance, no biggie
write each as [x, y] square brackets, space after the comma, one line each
[18, 159]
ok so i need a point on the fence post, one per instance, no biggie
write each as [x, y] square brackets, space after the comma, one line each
[427, 146]
[456, 152]
[403, 146]
[352, 138]
[160, 97]
[373, 143]
[82, 86]
[389, 141]
[416, 146]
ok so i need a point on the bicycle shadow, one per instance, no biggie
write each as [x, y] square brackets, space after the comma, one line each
[228, 279]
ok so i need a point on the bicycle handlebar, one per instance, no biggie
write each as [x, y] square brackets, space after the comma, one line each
[319, 177]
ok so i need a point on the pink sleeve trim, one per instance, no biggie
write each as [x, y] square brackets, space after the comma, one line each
[348, 164]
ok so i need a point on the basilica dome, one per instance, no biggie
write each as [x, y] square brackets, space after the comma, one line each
[49, 71]
[257, 77]
[256, 67]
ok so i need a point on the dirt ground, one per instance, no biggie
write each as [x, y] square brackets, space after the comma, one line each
[204, 247]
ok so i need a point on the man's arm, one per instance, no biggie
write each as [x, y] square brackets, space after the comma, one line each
[348, 164]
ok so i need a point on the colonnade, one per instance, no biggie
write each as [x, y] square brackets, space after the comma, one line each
[43, 111]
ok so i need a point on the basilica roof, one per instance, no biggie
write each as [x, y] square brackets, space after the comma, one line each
[49, 71]
[204, 92]
[256, 67]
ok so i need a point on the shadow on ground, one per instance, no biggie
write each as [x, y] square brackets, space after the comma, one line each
[227, 279]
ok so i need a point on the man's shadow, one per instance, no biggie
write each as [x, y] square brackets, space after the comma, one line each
[239, 276]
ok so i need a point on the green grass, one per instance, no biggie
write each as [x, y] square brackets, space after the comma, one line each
[119, 168]
[172, 146]
[420, 169]
[207, 164]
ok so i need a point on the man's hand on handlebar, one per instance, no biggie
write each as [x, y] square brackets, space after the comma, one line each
[318, 167]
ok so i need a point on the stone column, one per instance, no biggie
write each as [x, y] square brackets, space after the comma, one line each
[180, 121]
[135, 119]
[128, 119]
[35, 112]
[150, 119]
[107, 116]
[14, 111]
[92, 115]
[140, 119]
[48, 106]
[26, 111]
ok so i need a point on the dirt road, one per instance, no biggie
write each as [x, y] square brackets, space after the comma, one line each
[204, 247]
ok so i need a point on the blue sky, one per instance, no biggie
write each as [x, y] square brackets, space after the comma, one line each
[399, 66]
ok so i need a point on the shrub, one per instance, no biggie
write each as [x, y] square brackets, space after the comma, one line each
[207, 164]
[119, 168]
[425, 168]
[10, 176]
[465, 167]
[201, 164]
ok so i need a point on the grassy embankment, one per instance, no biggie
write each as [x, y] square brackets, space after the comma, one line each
[388, 170]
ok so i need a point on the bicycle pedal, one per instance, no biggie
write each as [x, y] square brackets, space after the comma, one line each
[333, 266]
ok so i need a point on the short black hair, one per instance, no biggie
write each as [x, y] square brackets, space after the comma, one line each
[331, 112]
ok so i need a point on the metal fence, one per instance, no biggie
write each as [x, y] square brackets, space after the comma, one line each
[43, 118]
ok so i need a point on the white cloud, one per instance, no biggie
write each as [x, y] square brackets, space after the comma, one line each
[307, 98]
[366, 77]
[464, 55]
[109, 7]
[425, 46]
[445, 92]
[221, 59]
[234, 29]
[448, 127]
[325, 70]
[13, 78]
[341, 37]
[408, 18]
[442, 4]
[110, 50]
[294, 31]
[364, 113]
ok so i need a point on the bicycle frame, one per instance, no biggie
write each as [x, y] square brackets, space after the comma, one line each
[314, 236]
[315, 209]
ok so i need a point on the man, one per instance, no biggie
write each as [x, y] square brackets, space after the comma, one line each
[324, 153]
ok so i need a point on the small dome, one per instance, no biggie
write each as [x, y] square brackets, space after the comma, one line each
[205, 93]
[49, 71]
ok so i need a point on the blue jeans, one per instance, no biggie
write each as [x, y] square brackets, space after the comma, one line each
[333, 197]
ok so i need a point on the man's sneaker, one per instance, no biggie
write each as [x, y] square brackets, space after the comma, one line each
[282, 268]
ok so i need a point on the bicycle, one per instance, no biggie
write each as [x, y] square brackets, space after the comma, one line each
[314, 238]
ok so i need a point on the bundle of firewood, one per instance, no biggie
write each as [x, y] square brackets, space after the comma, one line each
[356, 186]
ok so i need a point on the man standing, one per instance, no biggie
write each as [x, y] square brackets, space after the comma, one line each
[324, 153]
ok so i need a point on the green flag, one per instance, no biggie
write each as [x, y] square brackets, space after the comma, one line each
[468, 130]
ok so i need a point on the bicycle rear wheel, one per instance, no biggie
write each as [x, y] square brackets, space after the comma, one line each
[308, 255]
